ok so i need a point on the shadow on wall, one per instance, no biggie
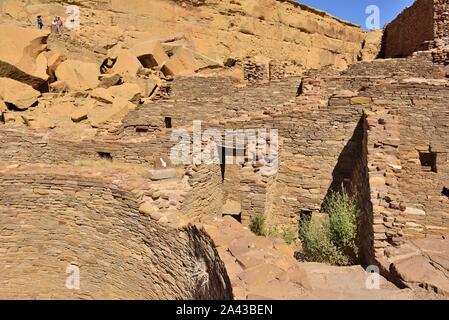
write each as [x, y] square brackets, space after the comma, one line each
[344, 169]
[210, 276]
[351, 173]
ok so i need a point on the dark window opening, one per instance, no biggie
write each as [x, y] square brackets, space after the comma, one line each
[168, 123]
[148, 61]
[141, 129]
[428, 160]
[300, 89]
[105, 155]
[305, 215]
[445, 192]
[222, 156]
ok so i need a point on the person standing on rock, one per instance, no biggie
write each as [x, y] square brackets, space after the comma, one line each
[40, 23]
[59, 25]
[54, 25]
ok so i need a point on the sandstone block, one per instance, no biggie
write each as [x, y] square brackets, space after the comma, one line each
[232, 208]
[22, 56]
[102, 114]
[361, 100]
[102, 95]
[414, 211]
[417, 102]
[162, 174]
[79, 114]
[19, 94]
[126, 91]
[109, 80]
[126, 63]
[78, 75]
[150, 54]
[185, 61]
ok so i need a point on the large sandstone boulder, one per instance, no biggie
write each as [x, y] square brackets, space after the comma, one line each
[371, 45]
[422, 263]
[126, 91]
[100, 115]
[102, 95]
[150, 54]
[147, 85]
[78, 75]
[126, 63]
[185, 61]
[22, 55]
[54, 59]
[18, 94]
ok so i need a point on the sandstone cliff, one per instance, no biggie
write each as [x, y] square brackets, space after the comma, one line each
[219, 29]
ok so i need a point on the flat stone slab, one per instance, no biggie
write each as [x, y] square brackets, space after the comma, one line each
[232, 208]
[162, 174]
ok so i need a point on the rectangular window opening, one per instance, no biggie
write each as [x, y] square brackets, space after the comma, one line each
[168, 123]
[105, 156]
[428, 161]
[141, 129]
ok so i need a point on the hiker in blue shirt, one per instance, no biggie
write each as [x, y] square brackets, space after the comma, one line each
[40, 23]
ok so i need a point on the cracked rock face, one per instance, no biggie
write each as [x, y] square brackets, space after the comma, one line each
[423, 263]
[218, 30]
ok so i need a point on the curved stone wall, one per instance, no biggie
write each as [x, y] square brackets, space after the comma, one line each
[52, 224]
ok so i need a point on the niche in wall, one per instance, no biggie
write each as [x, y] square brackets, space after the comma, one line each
[105, 155]
[428, 161]
[167, 121]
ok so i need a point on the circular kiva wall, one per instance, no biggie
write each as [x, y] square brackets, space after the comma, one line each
[53, 227]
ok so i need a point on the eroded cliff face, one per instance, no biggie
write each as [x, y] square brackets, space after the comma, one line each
[282, 30]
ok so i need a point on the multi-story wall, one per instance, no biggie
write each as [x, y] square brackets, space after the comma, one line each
[416, 28]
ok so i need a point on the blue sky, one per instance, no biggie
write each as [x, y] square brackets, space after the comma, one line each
[354, 10]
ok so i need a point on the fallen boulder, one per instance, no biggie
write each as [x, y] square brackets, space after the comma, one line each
[150, 54]
[54, 59]
[99, 115]
[109, 80]
[162, 174]
[22, 56]
[79, 114]
[185, 61]
[422, 263]
[147, 85]
[232, 208]
[20, 95]
[102, 95]
[126, 63]
[78, 75]
[126, 91]
[371, 45]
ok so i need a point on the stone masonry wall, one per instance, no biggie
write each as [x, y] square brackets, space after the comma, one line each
[31, 147]
[416, 28]
[410, 30]
[314, 161]
[359, 187]
[205, 198]
[207, 99]
[49, 221]
[407, 162]
[441, 17]
[384, 168]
